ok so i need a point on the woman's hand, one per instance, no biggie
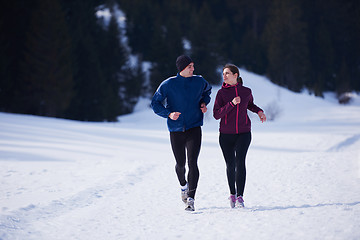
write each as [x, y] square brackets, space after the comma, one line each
[236, 100]
[262, 116]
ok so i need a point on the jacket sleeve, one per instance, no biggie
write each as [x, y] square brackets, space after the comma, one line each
[220, 108]
[206, 93]
[252, 107]
[157, 102]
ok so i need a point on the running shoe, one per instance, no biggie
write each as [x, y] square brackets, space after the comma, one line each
[232, 199]
[184, 194]
[240, 202]
[190, 204]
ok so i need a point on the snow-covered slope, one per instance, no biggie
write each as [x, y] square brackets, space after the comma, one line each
[62, 179]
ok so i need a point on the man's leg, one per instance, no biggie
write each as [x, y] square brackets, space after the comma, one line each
[193, 145]
[177, 140]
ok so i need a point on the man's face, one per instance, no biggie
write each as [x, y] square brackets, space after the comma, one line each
[188, 71]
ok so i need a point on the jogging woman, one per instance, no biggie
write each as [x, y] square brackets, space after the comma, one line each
[231, 105]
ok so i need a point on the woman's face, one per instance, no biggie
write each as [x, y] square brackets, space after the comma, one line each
[229, 77]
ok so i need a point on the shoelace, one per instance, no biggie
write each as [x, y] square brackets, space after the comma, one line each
[233, 198]
[240, 199]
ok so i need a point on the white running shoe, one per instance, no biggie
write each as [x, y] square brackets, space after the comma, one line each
[232, 199]
[240, 202]
[190, 204]
[184, 194]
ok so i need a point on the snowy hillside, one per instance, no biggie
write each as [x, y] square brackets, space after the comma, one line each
[62, 179]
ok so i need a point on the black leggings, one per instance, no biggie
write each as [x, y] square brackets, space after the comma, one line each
[182, 143]
[234, 148]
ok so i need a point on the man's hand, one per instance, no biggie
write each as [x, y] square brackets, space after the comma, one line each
[174, 115]
[203, 108]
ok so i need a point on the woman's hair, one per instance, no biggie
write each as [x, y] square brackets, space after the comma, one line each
[234, 69]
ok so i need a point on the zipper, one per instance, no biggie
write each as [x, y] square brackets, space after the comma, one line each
[237, 112]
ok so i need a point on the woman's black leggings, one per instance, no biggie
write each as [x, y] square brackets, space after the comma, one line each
[234, 148]
[182, 143]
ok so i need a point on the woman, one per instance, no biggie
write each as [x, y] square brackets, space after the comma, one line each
[231, 104]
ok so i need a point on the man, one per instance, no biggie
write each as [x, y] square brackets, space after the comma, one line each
[182, 99]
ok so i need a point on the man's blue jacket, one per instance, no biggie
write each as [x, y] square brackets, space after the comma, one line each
[184, 95]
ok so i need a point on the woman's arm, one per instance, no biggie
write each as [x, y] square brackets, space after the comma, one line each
[221, 108]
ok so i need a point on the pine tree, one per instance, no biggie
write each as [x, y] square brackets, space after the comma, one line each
[287, 45]
[112, 60]
[248, 22]
[14, 23]
[46, 71]
[141, 27]
[131, 85]
[123, 83]
[166, 44]
[323, 63]
[5, 62]
[347, 38]
[205, 48]
[89, 102]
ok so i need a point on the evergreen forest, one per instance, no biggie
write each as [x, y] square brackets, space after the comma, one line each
[58, 58]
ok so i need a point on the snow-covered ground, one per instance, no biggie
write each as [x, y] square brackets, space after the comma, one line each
[62, 179]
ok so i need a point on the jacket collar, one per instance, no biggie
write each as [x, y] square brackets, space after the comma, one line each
[181, 77]
[225, 85]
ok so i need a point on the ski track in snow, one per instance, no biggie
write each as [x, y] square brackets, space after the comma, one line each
[64, 179]
[23, 218]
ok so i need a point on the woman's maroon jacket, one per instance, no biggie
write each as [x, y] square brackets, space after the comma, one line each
[234, 118]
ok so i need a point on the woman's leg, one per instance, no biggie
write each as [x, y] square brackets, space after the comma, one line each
[241, 148]
[227, 143]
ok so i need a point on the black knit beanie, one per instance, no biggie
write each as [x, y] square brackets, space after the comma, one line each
[182, 62]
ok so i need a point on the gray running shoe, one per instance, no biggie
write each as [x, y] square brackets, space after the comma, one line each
[232, 199]
[190, 204]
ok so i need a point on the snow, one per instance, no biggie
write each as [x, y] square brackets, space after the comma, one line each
[62, 179]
